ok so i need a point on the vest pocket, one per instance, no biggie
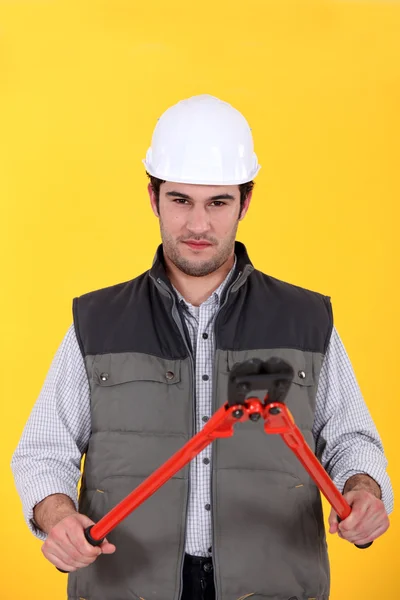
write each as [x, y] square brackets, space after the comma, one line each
[139, 393]
[117, 369]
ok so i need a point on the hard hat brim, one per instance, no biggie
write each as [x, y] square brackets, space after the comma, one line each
[198, 181]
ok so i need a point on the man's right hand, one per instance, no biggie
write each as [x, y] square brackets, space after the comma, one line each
[66, 546]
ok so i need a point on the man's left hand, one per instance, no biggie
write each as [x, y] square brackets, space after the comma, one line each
[367, 521]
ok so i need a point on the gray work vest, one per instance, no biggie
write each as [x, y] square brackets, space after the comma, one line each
[268, 532]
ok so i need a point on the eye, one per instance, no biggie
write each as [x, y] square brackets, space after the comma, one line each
[180, 200]
[218, 203]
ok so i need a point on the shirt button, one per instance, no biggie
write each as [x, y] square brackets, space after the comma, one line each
[206, 461]
[205, 418]
[207, 567]
[205, 336]
[104, 376]
[169, 375]
[208, 507]
[205, 378]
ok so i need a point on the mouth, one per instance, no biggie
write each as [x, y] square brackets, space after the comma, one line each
[197, 245]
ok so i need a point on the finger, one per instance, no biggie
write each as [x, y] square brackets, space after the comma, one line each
[333, 522]
[52, 549]
[63, 543]
[76, 537]
[58, 544]
[361, 540]
[372, 520]
[369, 528]
[60, 559]
[71, 565]
[70, 556]
[60, 564]
[107, 548]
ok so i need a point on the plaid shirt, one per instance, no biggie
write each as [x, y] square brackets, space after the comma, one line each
[48, 457]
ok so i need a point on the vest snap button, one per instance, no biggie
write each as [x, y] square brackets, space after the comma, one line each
[104, 376]
[169, 375]
[302, 374]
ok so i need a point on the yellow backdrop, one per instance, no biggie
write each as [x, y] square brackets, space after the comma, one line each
[81, 86]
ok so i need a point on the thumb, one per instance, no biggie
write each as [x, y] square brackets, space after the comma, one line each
[107, 548]
[333, 522]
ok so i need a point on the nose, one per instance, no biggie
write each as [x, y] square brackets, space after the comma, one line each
[198, 221]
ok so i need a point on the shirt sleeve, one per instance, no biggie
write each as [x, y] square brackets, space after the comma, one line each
[48, 456]
[347, 440]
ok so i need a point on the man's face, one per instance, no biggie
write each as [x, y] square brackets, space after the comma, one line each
[198, 224]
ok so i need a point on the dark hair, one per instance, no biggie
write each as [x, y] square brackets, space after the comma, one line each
[244, 188]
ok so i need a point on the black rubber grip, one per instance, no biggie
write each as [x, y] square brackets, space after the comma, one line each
[89, 538]
[362, 546]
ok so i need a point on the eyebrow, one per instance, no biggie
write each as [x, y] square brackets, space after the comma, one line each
[186, 197]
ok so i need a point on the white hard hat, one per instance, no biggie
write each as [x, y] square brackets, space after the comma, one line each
[202, 140]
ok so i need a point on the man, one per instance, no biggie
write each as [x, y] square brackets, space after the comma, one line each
[144, 366]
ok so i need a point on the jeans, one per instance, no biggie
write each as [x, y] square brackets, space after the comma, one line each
[198, 579]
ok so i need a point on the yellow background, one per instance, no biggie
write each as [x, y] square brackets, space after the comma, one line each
[81, 87]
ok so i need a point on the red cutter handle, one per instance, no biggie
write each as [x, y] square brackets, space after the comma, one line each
[278, 420]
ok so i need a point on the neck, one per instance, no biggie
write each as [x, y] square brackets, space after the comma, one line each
[196, 290]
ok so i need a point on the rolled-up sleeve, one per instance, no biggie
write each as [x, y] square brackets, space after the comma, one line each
[48, 456]
[347, 440]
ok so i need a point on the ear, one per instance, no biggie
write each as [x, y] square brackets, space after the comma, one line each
[153, 200]
[246, 205]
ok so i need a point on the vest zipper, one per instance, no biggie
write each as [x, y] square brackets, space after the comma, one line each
[177, 319]
[214, 398]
